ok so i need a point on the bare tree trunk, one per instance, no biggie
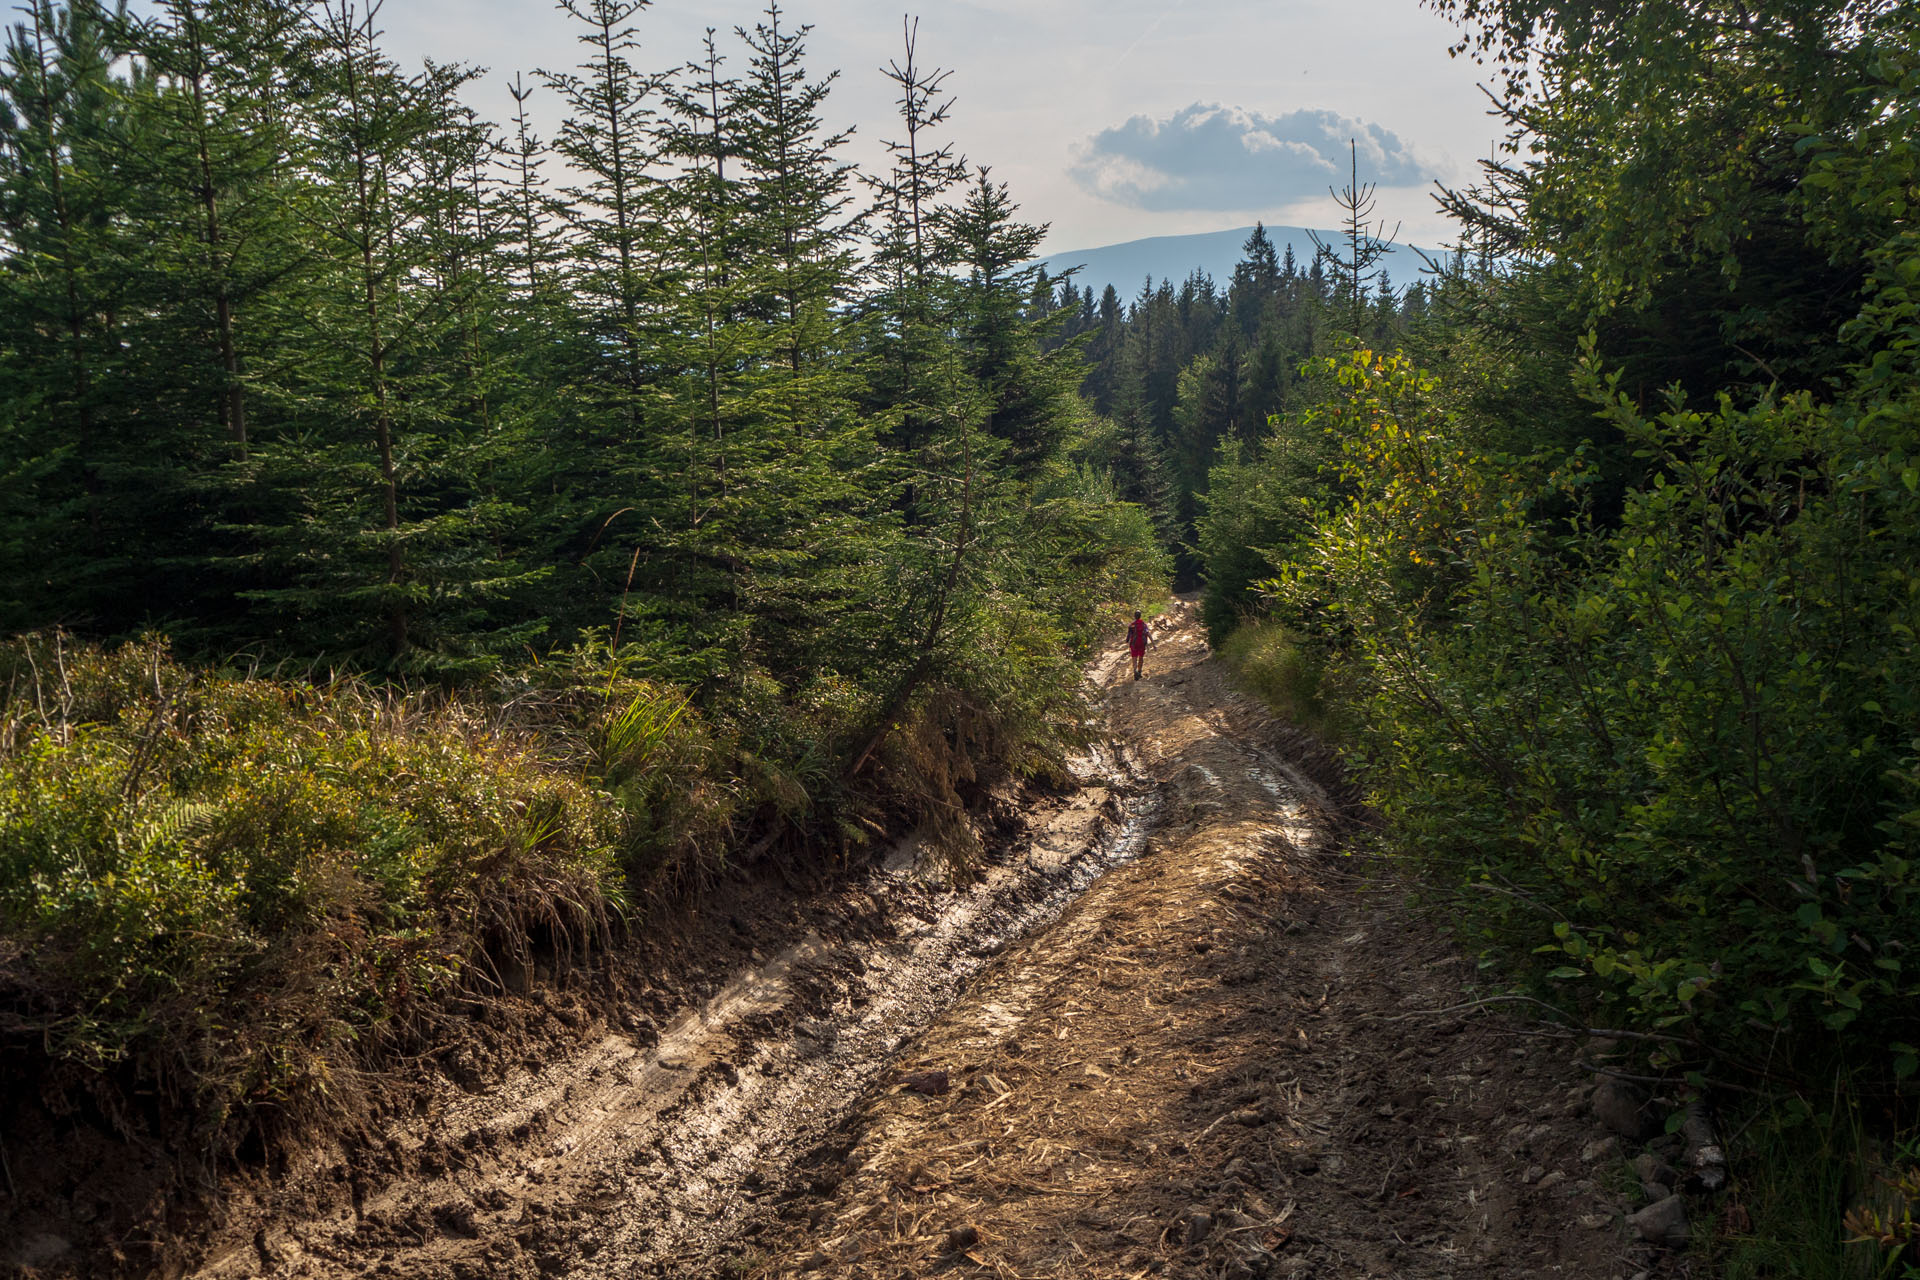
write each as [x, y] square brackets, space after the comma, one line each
[376, 352]
[233, 404]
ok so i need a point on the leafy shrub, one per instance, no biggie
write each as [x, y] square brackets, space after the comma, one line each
[234, 887]
[1665, 755]
[1632, 650]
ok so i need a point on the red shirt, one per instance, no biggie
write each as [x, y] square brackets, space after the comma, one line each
[1137, 637]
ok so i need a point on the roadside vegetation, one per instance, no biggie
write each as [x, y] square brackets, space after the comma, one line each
[428, 545]
[1602, 570]
[234, 892]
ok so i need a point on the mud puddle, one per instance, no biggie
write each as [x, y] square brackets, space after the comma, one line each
[637, 1158]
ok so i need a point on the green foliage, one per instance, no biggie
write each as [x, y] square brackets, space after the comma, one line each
[1191, 377]
[1613, 582]
[1886, 1213]
[1665, 744]
[1797, 1167]
[232, 888]
[730, 520]
[1258, 511]
[1285, 674]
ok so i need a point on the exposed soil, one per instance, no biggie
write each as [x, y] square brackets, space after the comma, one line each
[1171, 1028]
[1219, 1062]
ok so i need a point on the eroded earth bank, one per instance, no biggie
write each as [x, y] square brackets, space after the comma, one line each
[1174, 1028]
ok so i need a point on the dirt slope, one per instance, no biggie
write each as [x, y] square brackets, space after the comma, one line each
[1170, 1029]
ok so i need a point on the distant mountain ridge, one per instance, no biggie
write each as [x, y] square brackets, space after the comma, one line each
[1125, 266]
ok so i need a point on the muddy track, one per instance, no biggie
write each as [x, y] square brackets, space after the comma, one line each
[1166, 1002]
[631, 1157]
[1234, 1057]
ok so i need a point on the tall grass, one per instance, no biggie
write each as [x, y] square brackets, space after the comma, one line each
[1817, 1197]
[1283, 673]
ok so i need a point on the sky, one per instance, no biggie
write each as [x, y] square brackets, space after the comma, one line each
[1110, 120]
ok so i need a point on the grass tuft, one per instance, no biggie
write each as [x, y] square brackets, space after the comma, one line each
[1272, 664]
[1808, 1184]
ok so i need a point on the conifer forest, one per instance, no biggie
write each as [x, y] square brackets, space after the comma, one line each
[435, 548]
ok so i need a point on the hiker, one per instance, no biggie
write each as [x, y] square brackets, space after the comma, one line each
[1137, 638]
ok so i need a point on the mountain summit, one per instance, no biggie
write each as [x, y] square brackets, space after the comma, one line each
[1125, 266]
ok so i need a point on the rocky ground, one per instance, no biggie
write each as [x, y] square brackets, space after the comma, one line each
[1175, 1028]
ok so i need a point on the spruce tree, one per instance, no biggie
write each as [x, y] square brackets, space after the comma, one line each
[1256, 279]
[797, 187]
[1004, 331]
[216, 144]
[209, 179]
[72, 557]
[528, 205]
[1140, 470]
[932, 413]
[1366, 242]
[617, 485]
[606, 139]
[815, 449]
[392, 555]
[909, 253]
[710, 352]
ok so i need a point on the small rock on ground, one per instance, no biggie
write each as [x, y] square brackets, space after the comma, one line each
[1625, 1108]
[1664, 1222]
[1651, 1168]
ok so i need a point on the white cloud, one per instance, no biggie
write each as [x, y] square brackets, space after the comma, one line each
[1210, 157]
[1033, 76]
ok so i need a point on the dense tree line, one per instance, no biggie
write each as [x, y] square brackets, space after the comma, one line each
[300, 358]
[1184, 376]
[1606, 570]
[661, 497]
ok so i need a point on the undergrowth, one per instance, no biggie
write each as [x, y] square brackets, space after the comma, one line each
[237, 894]
[1284, 674]
[1817, 1196]
[236, 891]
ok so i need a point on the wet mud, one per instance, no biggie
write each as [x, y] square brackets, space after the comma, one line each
[638, 1155]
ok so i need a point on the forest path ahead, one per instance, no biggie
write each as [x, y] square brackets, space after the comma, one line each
[1215, 1064]
[1169, 1030]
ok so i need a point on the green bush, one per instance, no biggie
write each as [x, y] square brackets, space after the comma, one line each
[1628, 625]
[234, 887]
[232, 890]
[1667, 756]
[1258, 513]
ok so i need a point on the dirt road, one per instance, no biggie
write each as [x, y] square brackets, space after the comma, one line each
[1216, 1063]
[1171, 1030]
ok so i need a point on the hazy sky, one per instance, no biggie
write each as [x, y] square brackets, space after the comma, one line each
[1110, 119]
